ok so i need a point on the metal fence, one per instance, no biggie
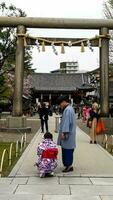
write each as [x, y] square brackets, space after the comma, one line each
[20, 146]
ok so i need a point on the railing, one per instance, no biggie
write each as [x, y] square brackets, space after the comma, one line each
[107, 142]
[20, 145]
[2, 160]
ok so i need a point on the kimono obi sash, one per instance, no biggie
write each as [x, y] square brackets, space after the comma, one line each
[50, 153]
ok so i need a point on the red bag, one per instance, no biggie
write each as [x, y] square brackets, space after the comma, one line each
[100, 128]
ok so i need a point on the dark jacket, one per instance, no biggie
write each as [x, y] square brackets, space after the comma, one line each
[43, 113]
[93, 114]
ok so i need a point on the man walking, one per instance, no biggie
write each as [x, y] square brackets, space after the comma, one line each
[43, 113]
[67, 133]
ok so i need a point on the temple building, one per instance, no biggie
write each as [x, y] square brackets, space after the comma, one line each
[46, 87]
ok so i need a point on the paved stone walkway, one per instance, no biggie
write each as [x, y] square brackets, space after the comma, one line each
[92, 178]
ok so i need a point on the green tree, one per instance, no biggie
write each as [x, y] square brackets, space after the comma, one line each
[108, 9]
[4, 90]
[8, 40]
[7, 52]
[108, 12]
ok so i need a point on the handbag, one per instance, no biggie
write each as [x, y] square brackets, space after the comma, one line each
[100, 128]
[89, 123]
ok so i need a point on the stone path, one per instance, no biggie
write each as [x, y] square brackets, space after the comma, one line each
[92, 178]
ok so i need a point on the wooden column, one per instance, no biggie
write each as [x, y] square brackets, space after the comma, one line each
[104, 73]
[41, 100]
[19, 73]
[50, 100]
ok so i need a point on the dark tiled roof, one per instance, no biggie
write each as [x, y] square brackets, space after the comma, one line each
[57, 82]
[86, 87]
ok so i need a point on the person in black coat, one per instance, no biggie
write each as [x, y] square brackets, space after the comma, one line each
[43, 113]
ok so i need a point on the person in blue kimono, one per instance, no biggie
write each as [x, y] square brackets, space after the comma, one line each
[67, 133]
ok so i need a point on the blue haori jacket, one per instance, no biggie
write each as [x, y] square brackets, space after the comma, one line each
[68, 127]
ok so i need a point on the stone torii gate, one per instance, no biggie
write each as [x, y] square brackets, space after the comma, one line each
[103, 25]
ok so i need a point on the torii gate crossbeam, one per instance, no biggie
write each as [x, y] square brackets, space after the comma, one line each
[64, 23]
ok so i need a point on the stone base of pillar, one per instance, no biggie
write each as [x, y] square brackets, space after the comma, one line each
[27, 126]
[15, 122]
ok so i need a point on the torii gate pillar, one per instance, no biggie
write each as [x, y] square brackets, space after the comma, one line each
[19, 72]
[104, 73]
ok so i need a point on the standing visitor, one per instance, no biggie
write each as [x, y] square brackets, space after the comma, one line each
[111, 111]
[67, 133]
[43, 113]
[88, 108]
[94, 116]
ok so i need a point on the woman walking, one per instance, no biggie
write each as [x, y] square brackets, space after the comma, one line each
[94, 116]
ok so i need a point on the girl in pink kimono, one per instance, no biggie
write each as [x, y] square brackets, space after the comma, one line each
[47, 156]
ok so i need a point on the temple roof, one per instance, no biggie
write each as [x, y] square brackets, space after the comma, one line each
[86, 87]
[57, 82]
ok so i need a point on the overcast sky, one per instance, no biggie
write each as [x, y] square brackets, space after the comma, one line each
[47, 61]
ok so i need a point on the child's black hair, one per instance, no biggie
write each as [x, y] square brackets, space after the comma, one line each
[48, 135]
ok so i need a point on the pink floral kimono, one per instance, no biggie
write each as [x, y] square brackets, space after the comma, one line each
[47, 156]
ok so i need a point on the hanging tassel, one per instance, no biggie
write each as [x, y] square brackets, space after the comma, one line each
[38, 45]
[89, 45]
[62, 48]
[54, 49]
[69, 43]
[43, 46]
[82, 47]
[100, 42]
[25, 42]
